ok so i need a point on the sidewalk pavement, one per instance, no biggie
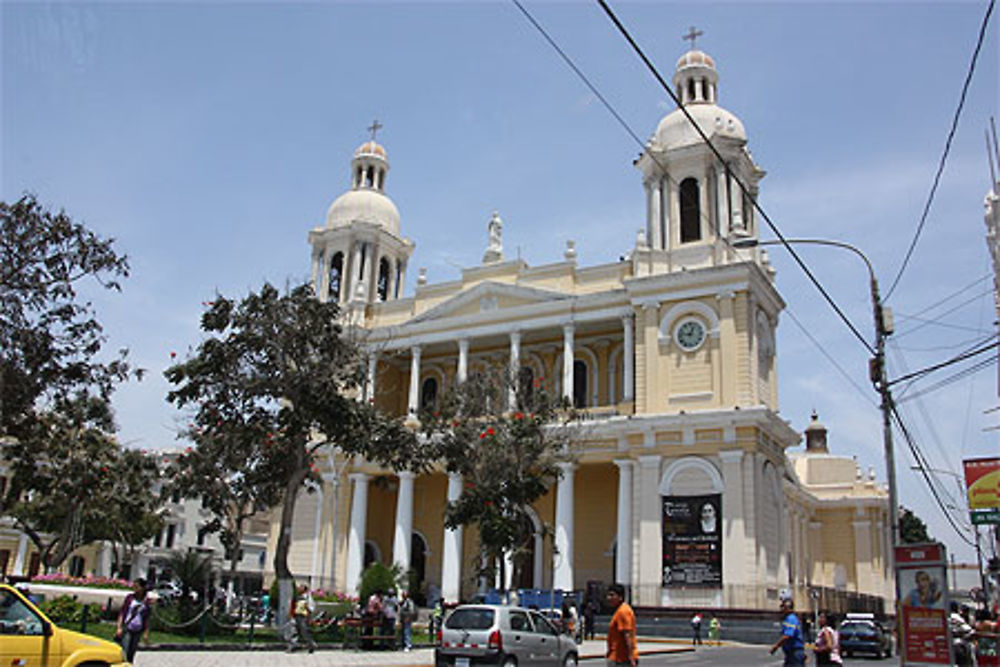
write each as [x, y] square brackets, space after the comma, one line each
[420, 657]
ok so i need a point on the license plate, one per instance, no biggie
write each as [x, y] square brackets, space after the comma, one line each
[461, 662]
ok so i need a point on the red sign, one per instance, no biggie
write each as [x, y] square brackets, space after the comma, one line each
[982, 479]
[922, 584]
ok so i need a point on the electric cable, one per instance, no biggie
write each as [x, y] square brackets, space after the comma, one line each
[979, 341]
[960, 375]
[921, 463]
[937, 320]
[947, 149]
[959, 292]
[944, 364]
[703, 215]
[757, 207]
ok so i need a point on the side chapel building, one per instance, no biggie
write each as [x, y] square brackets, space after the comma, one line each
[682, 489]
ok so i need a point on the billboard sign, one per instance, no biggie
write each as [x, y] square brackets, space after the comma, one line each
[923, 595]
[982, 481]
[692, 541]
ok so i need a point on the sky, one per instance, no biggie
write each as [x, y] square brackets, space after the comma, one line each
[209, 138]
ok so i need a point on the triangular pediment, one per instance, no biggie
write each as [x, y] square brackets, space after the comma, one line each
[487, 297]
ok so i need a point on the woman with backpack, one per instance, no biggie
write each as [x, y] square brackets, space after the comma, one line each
[827, 646]
[133, 620]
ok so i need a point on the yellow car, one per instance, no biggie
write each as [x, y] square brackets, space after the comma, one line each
[29, 639]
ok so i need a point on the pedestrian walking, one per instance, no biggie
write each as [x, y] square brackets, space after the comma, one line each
[390, 610]
[827, 647]
[302, 614]
[437, 616]
[715, 630]
[696, 629]
[133, 620]
[589, 617]
[791, 636]
[407, 613]
[623, 649]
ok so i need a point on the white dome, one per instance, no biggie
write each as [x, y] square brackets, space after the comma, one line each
[364, 205]
[676, 131]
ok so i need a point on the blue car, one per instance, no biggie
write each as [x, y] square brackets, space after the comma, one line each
[861, 633]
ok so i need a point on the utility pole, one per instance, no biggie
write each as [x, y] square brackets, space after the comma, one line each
[880, 379]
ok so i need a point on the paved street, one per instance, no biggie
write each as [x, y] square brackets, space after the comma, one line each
[654, 654]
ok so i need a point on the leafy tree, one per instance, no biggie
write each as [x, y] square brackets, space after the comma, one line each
[379, 577]
[231, 469]
[72, 484]
[508, 459]
[272, 381]
[912, 529]
[50, 339]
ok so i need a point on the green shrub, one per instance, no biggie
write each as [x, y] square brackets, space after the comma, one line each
[378, 577]
[64, 610]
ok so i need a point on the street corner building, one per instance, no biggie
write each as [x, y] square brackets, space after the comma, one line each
[683, 489]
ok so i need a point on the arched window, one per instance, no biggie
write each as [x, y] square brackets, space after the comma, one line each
[690, 211]
[428, 393]
[579, 384]
[336, 271]
[383, 279]
[418, 558]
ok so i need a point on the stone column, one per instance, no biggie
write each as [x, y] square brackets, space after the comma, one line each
[568, 361]
[734, 547]
[863, 556]
[645, 402]
[562, 572]
[623, 563]
[20, 560]
[650, 535]
[653, 191]
[370, 380]
[356, 537]
[628, 359]
[390, 282]
[355, 272]
[320, 281]
[463, 360]
[515, 368]
[451, 553]
[404, 521]
[736, 204]
[726, 362]
[414, 402]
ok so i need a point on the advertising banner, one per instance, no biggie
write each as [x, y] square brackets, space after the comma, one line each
[923, 596]
[692, 541]
[982, 481]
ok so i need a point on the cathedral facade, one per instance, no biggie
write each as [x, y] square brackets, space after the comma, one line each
[682, 488]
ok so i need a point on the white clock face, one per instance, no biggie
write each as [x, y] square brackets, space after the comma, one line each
[689, 334]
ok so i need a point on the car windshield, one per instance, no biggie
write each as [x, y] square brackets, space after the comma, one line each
[858, 628]
[470, 619]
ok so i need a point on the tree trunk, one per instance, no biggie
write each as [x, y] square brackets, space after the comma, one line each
[281, 571]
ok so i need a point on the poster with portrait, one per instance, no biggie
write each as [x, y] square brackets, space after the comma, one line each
[923, 596]
[692, 541]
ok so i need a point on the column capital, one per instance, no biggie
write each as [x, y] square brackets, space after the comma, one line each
[568, 328]
[415, 350]
[455, 476]
[627, 318]
[625, 464]
[650, 305]
[567, 467]
[731, 455]
[725, 294]
[463, 344]
[650, 460]
[515, 336]
[359, 477]
[406, 475]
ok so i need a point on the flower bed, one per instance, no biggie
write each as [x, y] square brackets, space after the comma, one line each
[59, 579]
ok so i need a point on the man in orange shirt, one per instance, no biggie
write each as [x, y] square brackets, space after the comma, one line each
[622, 648]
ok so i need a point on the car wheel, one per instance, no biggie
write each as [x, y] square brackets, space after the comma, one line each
[509, 661]
[570, 660]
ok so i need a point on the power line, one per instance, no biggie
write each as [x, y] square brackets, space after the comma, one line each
[947, 149]
[757, 207]
[936, 320]
[959, 292]
[951, 379]
[922, 464]
[978, 343]
[943, 364]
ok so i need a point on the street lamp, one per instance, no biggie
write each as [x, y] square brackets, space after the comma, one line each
[876, 368]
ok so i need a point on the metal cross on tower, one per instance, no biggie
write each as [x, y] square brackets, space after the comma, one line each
[375, 127]
[693, 35]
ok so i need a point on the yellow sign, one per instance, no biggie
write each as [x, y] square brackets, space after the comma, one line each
[982, 479]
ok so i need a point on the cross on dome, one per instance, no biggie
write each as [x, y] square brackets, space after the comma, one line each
[375, 127]
[693, 35]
